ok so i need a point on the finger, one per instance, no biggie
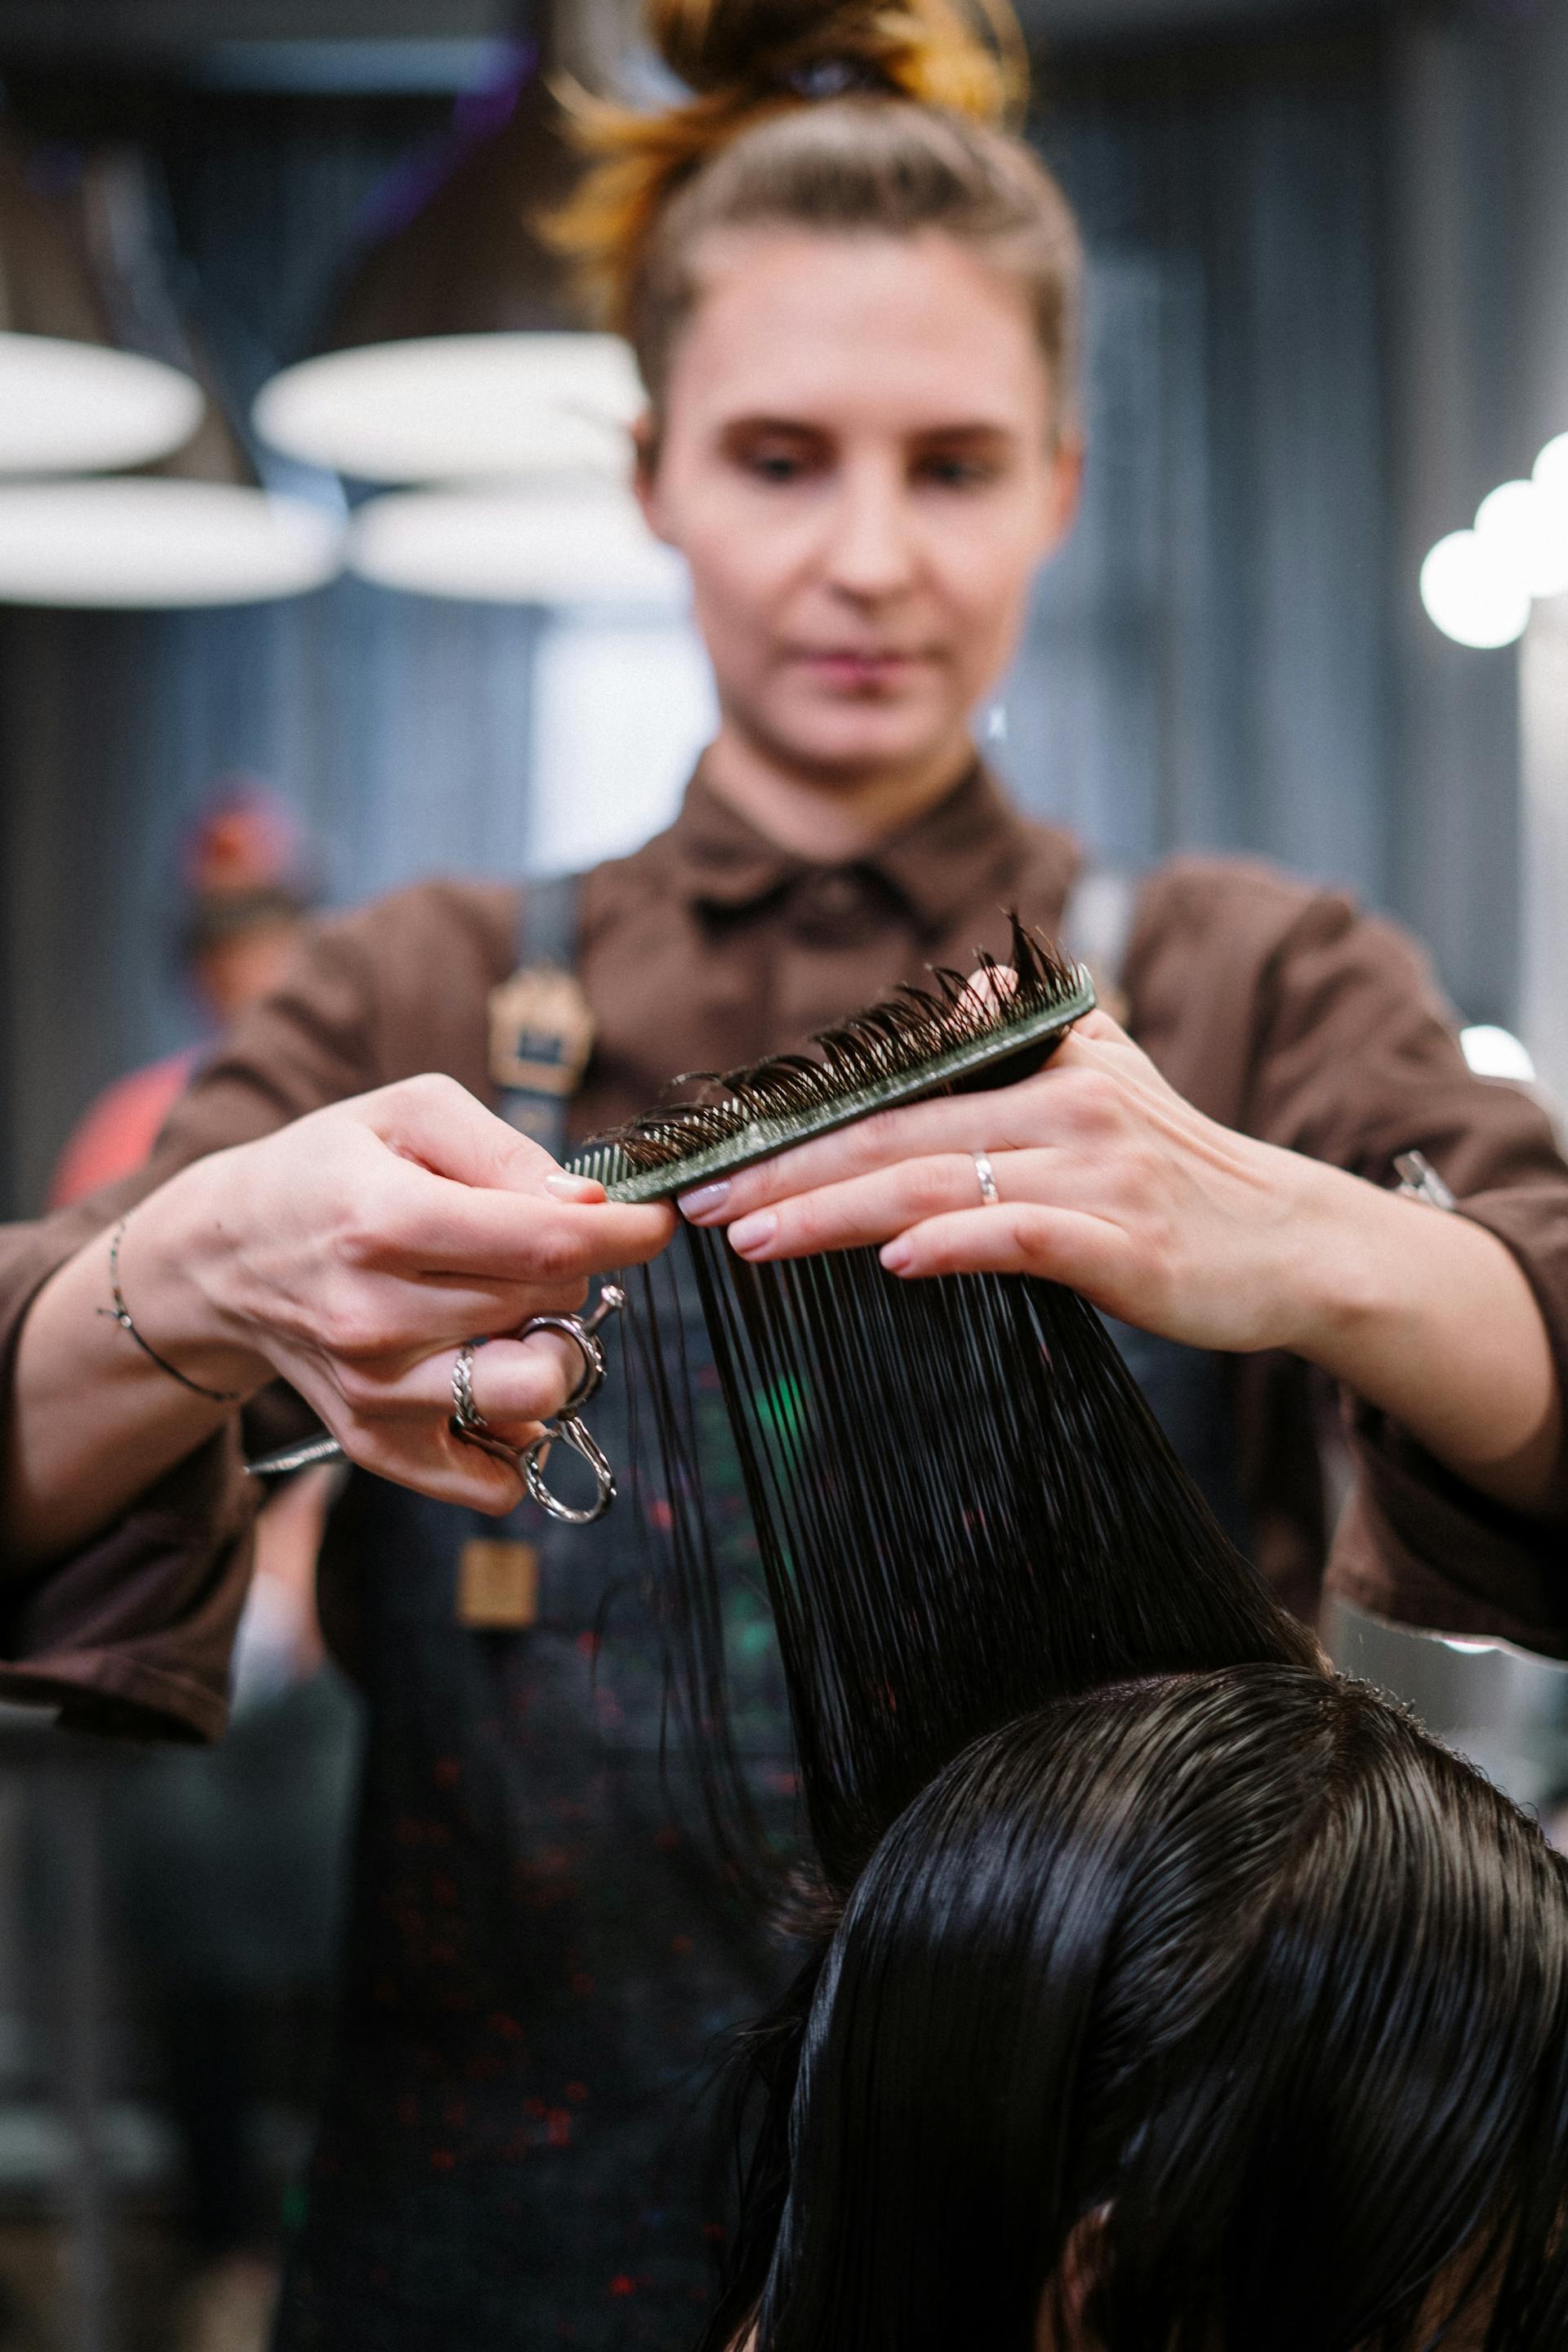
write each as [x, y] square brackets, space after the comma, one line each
[1038, 1111]
[1087, 1253]
[513, 1383]
[441, 1466]
[1098, 1027]
[879, 1141]
[419, 1449]
[437, 1123]
[872, 1208]
[991, 991]
[455, 1228]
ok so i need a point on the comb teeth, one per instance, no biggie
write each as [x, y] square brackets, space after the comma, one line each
[607, 1163]
[914, 1044]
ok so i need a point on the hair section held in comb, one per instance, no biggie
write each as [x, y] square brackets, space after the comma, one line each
[922, 1041]
[963, 1507]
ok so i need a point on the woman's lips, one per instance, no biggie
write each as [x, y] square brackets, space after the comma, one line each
[857, 671]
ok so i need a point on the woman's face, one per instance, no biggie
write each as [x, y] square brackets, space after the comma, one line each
[858, 461]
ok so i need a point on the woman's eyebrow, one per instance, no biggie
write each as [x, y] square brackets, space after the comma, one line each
[976, 433]
[796, 426]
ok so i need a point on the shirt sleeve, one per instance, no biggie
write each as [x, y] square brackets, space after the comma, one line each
[133, 1632]
[1353, 1058]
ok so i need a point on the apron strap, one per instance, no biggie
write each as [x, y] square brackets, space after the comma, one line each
[541, 1029]
[1097, 927]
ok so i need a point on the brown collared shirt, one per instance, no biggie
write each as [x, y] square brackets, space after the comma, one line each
[1276, 1007]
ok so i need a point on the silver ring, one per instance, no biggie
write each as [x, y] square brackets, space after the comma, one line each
[468, 1423]
[989, 1195]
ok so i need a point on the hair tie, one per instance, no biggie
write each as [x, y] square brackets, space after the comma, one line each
[834, 78]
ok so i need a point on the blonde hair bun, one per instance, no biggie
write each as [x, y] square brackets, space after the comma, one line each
[964, 54]
[831, 115]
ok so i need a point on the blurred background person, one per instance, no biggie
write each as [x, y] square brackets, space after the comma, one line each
[246, 882]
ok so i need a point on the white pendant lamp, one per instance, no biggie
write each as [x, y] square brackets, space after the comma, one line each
[450, 354]
[518, 543]
[70, 407]
[1471, 594]
[114, 545]
[442, 408]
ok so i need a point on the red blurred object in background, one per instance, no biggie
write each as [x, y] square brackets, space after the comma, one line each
[247, 878]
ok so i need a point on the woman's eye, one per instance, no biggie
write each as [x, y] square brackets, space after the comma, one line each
[957, 473]
[775, 465]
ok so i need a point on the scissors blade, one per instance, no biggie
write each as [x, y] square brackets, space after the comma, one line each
[297, 1457]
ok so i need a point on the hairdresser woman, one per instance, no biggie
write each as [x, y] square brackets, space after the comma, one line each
[855, 302]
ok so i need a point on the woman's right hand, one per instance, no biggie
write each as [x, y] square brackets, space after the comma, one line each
[354, 1252]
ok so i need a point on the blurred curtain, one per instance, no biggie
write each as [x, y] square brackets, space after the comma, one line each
[1205, 665]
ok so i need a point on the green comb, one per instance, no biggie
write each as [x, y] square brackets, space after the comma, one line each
[921, 1042]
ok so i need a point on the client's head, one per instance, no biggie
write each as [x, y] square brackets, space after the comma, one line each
[1203, 2013]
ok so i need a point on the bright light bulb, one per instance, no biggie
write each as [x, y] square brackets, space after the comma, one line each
[1551, 473]
[554, 544]
[1525, 526]
[111, 541]
[444, 408]
[1494, 1052]
[71, 408]
[1470, 595]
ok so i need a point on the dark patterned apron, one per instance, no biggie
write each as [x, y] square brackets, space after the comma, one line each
[542, 1962]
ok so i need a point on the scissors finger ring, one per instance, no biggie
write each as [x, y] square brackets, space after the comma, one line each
[582, 1330]
[568, 1431]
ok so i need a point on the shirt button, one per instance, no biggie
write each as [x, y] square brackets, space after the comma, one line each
[838, 892]
[830, 908]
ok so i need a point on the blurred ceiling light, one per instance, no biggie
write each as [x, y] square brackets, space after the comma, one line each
[1525, 526]
[149, 542]
[449, 354]
[450, 407]
[1470, 594]
[1550, 469]
[1494, 1052]
[512, 544]
[67, 408]
[82, 317]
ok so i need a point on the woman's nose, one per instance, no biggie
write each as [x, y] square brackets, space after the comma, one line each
[870, 551]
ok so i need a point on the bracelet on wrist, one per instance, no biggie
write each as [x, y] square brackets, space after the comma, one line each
[120, 1313]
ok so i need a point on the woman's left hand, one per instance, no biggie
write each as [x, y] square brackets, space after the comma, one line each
[1108, 1181]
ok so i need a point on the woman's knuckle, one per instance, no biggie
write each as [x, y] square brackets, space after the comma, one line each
[350, 1331]
[928, 1188]
[370, 1234]
[553, 1254]
[1095, 1098]
[878, 1137]
[431, 1090]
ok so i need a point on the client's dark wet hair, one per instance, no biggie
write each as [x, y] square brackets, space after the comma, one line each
[1146, 1957]
[1162, 1991]
[1216, 2011]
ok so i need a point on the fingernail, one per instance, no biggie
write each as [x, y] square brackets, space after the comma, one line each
[704, 1201]
[897, 1256]
[753, 1233]
[574, 1188]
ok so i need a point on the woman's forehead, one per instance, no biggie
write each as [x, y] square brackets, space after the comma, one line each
[919, 332]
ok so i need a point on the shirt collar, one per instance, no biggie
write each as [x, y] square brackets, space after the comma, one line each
[948, 860]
